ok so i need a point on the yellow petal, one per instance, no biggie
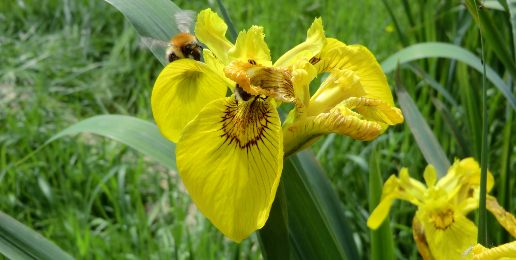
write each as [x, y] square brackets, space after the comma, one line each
[357, 58]
[250, 46]
[338, 86]
[230, 159]
[506, 219]
[217, 66]
[374, 110]
[404, 188]
[182, 89]
[302, 74]
[418, 232]
[430, 176]
[380, 212]
[450, 242]
[503, 252]
[210, 29]
[311, 47]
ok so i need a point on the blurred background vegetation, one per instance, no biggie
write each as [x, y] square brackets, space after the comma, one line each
[64, 61]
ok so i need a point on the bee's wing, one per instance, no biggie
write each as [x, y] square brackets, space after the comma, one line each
[185, 20]
[157, 47]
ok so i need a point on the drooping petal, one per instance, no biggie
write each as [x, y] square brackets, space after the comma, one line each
[210, 29]
[250, 47]
[452, 241]
[404, 188]
[181, 90]
[356, 58]
[311, 47]
[374, 110]
[230, 159]
[345, 119]
[503, 252]
[261, 80]
[506, 219]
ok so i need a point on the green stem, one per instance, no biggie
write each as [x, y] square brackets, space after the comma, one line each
[482, 214]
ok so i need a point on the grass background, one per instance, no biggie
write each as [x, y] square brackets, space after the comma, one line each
[63, 61]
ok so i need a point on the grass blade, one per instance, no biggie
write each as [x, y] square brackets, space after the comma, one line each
[317, 224]
[137, 133]
[491, 33]
[450, 51]
[382, 244]
[18, 241]
[511, 5]
[154, 20]
[425, 139]
[464, 149]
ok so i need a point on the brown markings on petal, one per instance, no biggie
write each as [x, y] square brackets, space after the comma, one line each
[245, 123]
[314, 60]
[274, 82]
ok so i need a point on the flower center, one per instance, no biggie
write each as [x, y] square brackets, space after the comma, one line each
[442, 219]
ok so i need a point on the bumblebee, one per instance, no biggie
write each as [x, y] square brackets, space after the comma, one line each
[184, 45]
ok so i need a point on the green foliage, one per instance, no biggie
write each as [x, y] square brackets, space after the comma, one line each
[64, 61]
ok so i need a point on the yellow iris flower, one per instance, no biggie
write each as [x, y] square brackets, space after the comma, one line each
[440, 227]
[230, 150]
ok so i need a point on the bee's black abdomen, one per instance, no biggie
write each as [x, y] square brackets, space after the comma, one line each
[172, 57]
[242, 94]
[192, 51]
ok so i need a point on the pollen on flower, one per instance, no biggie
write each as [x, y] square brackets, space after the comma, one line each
[245, 124]
[443, 219]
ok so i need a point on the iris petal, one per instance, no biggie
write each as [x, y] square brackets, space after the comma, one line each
[182, 89]
[451, 242]
[250, 46]
[233, 176]
[357, 58]
[345, 119]
[311, 47]
[210, 29]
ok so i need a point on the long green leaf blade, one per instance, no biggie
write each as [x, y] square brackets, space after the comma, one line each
[18, 241]
[315, 216]
[425, 139]
[450, 51]
[136, 133]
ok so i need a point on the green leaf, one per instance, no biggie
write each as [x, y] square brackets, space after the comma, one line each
[317, 224]
[511, 5]
[425, 139]
[492, 34]
[450, 51]
[494, 4]
[152, 20]
[136, 133]
[18, 241]
[382, 244]
[274, 237]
